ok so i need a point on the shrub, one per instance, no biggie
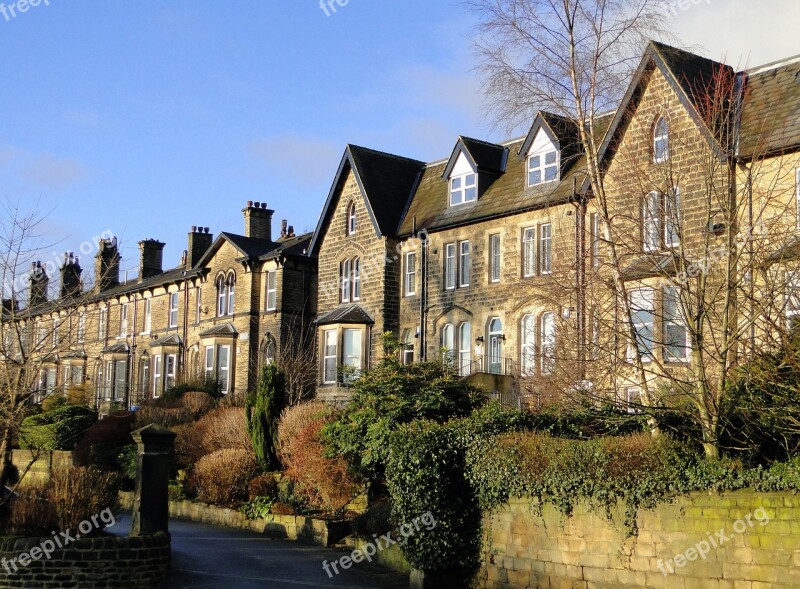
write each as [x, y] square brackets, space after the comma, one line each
[30, 513]
[264, 485]
[101, 444]
[293, 421]
[79, 493]
[207, 386]
[257, 507]
[221, 477]
[80, 394]
[262, 411]
[171, 412]
[388, 396]
[223, 428]
[377, 519]
[324, 482]
[53, 401]
[58, 429]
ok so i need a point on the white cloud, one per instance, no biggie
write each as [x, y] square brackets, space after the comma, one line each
[39, 170]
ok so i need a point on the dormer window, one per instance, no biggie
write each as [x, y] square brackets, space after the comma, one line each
[661, 141]
[351, 219]
[543, 168]
[463, 189]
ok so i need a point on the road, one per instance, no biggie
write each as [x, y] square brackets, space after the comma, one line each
[210, 557]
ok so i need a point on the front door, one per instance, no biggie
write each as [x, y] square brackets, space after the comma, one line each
[496, 346]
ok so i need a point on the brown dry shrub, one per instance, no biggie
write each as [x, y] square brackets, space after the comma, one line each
[324, 482]
[220, 429]
[222, 476]
[30, 513]
[264, 485]
[79, 493]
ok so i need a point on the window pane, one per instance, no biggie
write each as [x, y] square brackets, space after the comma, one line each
[450, 265]
[534, 162]
[545, 248]
[330, 357]
[642, 317]
[535, 177]
[465, 349]
[448, 344]
[465, 264]
[550, 173]
[528, 338]
[494, 257]
[352, 348]
[470, 194]
[548, 342]
[550, 157]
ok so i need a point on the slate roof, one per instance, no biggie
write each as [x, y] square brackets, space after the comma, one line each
[652, 265]
[771, 110]
[249, 246]
[386, 181]
[349, 314]
[220, 330]
[121, 348]
[293, 246]
[169, 340]
[489, 157]
[506, 195]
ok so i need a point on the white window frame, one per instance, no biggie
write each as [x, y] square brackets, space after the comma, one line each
[661, 141]
[450, 268]
[411, 274]
[448, 344]
[231, 280]
[547, 343]
[633, 397]
[527, 339]
[82, 327]
[463, 189]
[352, 347]
[222, 296]
[651, 222]
[642, 300]
[797, 194]
[173, 309]
[464, 264]
[538, 164]
[672, 218]
[674, 320]
[208, 368]
[148, 316]
[345, 279]
[124, 313]
[465, 348]
[272, 290]
[351, 219]
[170, 370]
[545, 248]
[529, 252]
[56, 335]
[224, 368]
[102, 324]
[198, 304]
[356, 279]
[330, 343]
[495, 258]
[158, 383]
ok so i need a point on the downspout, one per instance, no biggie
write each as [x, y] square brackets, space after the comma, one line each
[423, 297]
[132, 355]
[580, 258]
[185, 331]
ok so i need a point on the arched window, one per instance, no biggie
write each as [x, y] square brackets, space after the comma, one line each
[528, 347]
[267, 351]
[351, 219]
[356, 279]
[222, 297]
[345, 279]
[231, 292]
[661, 140]
[448, 344]
[464, 349]
[547, 342]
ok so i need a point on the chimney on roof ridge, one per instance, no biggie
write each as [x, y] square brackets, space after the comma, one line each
[199, 241]
[258, 221]
[106, 264]
[283, 228]
[71, 276]
[151, 258]
[40, 282]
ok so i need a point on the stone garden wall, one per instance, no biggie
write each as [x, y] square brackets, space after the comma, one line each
[736, 540]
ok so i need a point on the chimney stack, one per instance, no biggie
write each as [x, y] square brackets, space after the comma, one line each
[283, 229]
[40, 282]
[9, 306]
[151, 258]
[199, 241]
[106, 264]
[71, 276]
[258, 221]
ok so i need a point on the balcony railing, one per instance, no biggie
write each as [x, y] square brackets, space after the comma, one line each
[488, 364]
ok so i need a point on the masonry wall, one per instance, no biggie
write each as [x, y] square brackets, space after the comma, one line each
[40, 467]
[523, 550]
[88, 563]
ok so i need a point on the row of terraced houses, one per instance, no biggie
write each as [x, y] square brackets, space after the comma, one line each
[493, 259]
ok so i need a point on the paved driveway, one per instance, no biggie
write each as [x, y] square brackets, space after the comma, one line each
[209, 557]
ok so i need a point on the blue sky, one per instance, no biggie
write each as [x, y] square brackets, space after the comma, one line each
[146, 117]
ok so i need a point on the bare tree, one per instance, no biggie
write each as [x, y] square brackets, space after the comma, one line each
[34, 326]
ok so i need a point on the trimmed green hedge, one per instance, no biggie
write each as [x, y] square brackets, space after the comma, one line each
[57, 429]
[460, 469]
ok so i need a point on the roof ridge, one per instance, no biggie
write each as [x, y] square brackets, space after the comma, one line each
[384, 153]
[760, 69]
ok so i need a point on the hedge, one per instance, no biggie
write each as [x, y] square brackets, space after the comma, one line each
[57, 429]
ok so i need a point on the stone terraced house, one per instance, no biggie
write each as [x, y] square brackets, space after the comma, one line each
[233, 304]
[496, 259]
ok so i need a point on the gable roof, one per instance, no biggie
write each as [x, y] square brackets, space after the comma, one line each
[349, 315]
[770, 120]
[482, 155]
[691, 77]
[561, 130]
[386, 182]
[252, 248]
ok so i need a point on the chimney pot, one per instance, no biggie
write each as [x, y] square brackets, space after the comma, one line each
[263, 205]
[257, 205]
[249, 203]
[194, 228]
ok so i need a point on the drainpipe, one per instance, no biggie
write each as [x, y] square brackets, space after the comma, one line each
[423, 296]
[132, 355]
[580, 259]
